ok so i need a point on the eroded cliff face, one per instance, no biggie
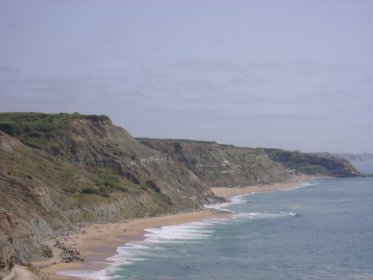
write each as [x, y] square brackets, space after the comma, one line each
[61, 170]
[313, 164]
[230, 166]
[222, 165]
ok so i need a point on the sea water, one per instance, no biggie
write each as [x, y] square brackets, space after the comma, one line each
[321, 230]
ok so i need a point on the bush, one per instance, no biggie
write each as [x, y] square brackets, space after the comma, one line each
[152, 185]
[106, 179]
[7, 128]
[105, 191]
[177, 146]
[90, 190]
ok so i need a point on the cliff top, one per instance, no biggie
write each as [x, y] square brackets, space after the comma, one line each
[14, 123]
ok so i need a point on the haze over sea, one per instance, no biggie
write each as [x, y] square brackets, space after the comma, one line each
[322, 230]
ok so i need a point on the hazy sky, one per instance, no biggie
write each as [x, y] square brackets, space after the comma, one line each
[258, 73]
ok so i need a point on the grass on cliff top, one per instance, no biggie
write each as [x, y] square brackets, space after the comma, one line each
[18, 123]
[31, 128]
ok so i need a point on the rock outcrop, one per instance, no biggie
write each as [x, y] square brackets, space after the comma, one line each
[68, 254]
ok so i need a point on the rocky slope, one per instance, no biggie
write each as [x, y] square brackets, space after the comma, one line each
[313, 164]
[60, 170]
[230, 166]
[222, 165]
[350, 157]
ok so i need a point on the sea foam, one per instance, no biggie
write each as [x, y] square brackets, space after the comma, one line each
[155, 241]
[263, 215]
[301, 185]
[239, 199]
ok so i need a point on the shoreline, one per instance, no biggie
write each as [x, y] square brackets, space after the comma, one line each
[97, 242]
[228, 193]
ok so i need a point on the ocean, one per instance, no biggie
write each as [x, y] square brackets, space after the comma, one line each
[321, 230]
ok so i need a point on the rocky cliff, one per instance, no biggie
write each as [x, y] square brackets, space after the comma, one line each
[350, 157]
[313, 164]
[226, 165]
[58, 170]
[222, 165]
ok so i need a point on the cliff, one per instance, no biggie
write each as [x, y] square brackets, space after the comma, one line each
[222, 165]
[229, 166]
[58, 170]
[350, 157]
[313, 164]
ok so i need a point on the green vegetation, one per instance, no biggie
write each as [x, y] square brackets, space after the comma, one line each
[34, 125]
[33, 128]
[105, 184]
[107, 179]
[44, 122]
[68, 172]
[90, 190]
[108, 182]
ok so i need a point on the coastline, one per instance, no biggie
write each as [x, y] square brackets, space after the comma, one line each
[295, 181]
[97, 242]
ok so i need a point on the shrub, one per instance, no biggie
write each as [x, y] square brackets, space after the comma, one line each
[152, 185]
[90, 190]
[178, 147]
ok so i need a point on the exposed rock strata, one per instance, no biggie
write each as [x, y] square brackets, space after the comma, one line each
[229, 166]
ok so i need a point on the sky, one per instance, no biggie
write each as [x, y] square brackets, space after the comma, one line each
[291, 74]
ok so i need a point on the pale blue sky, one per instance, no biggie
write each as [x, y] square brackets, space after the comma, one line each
[288, 74]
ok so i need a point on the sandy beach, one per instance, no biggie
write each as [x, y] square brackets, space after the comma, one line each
[230, 192]
[97, 242]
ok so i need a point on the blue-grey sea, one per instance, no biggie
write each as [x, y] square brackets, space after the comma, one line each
[321, 230]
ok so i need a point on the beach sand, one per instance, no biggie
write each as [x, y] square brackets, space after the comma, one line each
[97, 242]
[230, 192]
